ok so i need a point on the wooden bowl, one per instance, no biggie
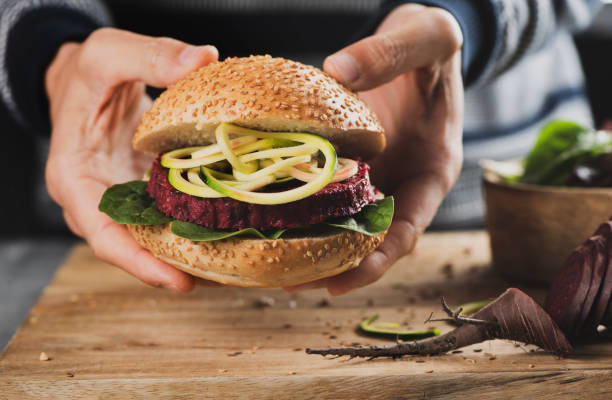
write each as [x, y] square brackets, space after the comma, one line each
[534, 228]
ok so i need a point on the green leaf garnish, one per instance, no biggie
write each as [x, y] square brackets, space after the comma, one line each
[129, 203]
[561, 146]
[199, 233]
[372, 220]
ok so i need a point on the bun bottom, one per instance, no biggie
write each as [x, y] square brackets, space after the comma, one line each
[259, 262]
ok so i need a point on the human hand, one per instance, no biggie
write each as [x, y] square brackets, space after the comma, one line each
[97, 96]
[409, 73]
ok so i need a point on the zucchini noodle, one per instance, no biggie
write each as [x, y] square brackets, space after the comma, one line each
[214, 148]
[277, 166]
[256, 159]
[237, 164]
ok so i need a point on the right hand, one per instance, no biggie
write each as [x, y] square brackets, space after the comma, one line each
[409, 73]
[97, 96]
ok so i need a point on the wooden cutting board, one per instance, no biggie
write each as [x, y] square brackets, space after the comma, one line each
[109, 336]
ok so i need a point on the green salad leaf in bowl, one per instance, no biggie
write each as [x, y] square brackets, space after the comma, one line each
[565, 154]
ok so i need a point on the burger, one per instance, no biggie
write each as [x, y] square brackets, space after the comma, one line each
[258, 178]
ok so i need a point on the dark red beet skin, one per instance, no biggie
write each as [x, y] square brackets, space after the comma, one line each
[579, 298]
[334, 200]
[569, 290]
[599, 260]
[604, 274]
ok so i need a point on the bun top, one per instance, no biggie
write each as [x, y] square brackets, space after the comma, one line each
[259, 92]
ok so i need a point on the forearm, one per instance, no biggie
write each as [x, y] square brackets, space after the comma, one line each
[30, 34]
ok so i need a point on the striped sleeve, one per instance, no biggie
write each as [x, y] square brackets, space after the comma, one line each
[499, 33]
[31, 31]
[526, 26]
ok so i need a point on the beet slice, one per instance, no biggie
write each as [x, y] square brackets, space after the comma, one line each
[569, 290]
[598, 266]
[600, 305]
[607, 318]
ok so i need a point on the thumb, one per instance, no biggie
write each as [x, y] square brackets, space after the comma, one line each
[422, 39]
[116, 56]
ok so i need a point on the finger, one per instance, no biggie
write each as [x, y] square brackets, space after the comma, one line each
[321, 283]
[117, 56]
[416, 203]
[400, 239]
[424, 38]
[207, 283]
[112, 242]
[72, 224]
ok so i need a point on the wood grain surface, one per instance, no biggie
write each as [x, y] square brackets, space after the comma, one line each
[110, 337]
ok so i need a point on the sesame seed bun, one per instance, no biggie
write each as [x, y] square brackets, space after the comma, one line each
[259, 92]
[257, 262]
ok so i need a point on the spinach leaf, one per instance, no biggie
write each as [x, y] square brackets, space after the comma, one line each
[561, 146]
[372, 220]
[199, 233]
[129, 203]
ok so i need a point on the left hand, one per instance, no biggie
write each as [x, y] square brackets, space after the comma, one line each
[97, 96]
[409, 73]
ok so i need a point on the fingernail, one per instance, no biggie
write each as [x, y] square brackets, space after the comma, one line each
[170, 286]
[191, 54]
[336, 291]
[344, 67]
[212, 50]
[305, 286]
[177, 288]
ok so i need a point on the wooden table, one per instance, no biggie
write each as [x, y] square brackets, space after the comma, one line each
[109, 336]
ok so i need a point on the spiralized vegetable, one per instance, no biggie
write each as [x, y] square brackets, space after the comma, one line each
[307, 172]
[256, 159]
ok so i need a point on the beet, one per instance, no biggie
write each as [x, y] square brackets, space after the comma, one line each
[567, 295]
[604, 273]
[512, 316]
[598, 260]
[607, 318]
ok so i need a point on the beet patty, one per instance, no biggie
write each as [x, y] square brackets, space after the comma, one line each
[334, 200]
